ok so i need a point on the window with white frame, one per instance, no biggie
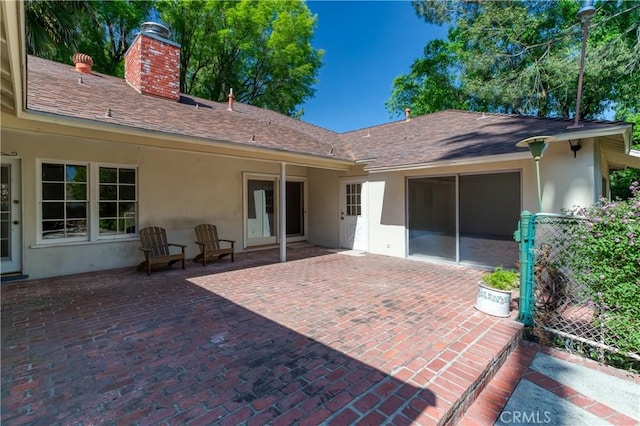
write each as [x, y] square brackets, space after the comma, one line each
[85, 202]
[64, 201]
[117, 210]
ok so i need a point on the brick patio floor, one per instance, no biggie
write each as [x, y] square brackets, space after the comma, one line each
[324, 338]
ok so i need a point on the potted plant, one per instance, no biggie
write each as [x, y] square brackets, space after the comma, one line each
[494, 292]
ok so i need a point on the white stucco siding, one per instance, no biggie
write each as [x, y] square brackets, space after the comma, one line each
[324, 211]
[386, 212]
[176, 190]
[567, 181]
[41, 260]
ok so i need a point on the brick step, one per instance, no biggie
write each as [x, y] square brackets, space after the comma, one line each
[469, 373]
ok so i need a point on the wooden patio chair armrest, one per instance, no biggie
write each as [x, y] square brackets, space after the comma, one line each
[145, 249]
[201, 244]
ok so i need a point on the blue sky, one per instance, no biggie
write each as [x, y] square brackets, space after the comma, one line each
[367, 44]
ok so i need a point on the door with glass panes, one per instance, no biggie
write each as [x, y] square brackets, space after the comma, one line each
[353, 227]
[10, 216]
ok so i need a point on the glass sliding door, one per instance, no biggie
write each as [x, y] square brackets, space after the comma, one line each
[432, 217]
[260, 218]
[465, 219]
[489, 213]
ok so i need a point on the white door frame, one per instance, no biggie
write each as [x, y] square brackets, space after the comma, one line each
[250, 241]
[13, 262]
[253, 242]
[305, 227]
[353, 228]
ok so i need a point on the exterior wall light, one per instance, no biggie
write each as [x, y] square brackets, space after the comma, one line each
[575, 146]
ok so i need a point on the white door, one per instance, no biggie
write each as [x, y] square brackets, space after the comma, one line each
[10, 218]
[353, 225]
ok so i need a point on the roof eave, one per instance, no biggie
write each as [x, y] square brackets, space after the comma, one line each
[625, 131]
[448, 163]
[59, 124]
[13, 55]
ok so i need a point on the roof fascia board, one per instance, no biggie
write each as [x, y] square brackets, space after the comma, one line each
[623, 130]
[13, 14]
[450, 163]
[62, 125]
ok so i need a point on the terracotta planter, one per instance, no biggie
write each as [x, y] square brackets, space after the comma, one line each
[493, 302]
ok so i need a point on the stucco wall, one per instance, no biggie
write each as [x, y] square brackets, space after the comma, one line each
[176, 190]
[568, 181]
[565, 182]
[323, 209]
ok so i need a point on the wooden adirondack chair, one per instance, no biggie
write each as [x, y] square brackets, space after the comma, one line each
[156, 249]
[210, 248]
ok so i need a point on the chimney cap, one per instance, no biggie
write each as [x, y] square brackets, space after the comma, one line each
[156, 29]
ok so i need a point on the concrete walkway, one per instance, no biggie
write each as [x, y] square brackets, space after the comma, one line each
[540, 385]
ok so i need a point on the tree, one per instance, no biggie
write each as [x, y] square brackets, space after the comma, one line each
[429, 87]
[108, 31]
[102, 29]
[523, 57]
[51, 26]
[261, 50]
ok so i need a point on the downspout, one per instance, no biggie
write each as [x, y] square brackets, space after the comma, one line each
[283, 212]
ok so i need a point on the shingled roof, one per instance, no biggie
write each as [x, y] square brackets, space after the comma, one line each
[57, 88]
[453, 135]
[439, 137]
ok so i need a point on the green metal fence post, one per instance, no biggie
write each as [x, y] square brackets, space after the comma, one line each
[523, 236]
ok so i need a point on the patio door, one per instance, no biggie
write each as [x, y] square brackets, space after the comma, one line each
[432, 217]
[466, 218]
[296, 210]
[261, 215]
[353, 225]
[260, 221]
[10, 216]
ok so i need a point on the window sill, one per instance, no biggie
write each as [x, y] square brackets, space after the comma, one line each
[51, 244]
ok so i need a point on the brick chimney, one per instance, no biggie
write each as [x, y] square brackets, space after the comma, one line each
[152, 63]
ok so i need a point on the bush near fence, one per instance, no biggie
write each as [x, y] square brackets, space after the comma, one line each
[587, 272]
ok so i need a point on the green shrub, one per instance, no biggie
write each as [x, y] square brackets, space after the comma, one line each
[501, 279]
[604, 256]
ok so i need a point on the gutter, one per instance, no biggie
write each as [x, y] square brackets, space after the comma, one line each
[459, 162]
[28, 120]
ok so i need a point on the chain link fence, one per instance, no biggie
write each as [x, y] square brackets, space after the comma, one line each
[567, 312]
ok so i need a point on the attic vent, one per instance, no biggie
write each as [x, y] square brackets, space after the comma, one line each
[156, 29]
[83, 62]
